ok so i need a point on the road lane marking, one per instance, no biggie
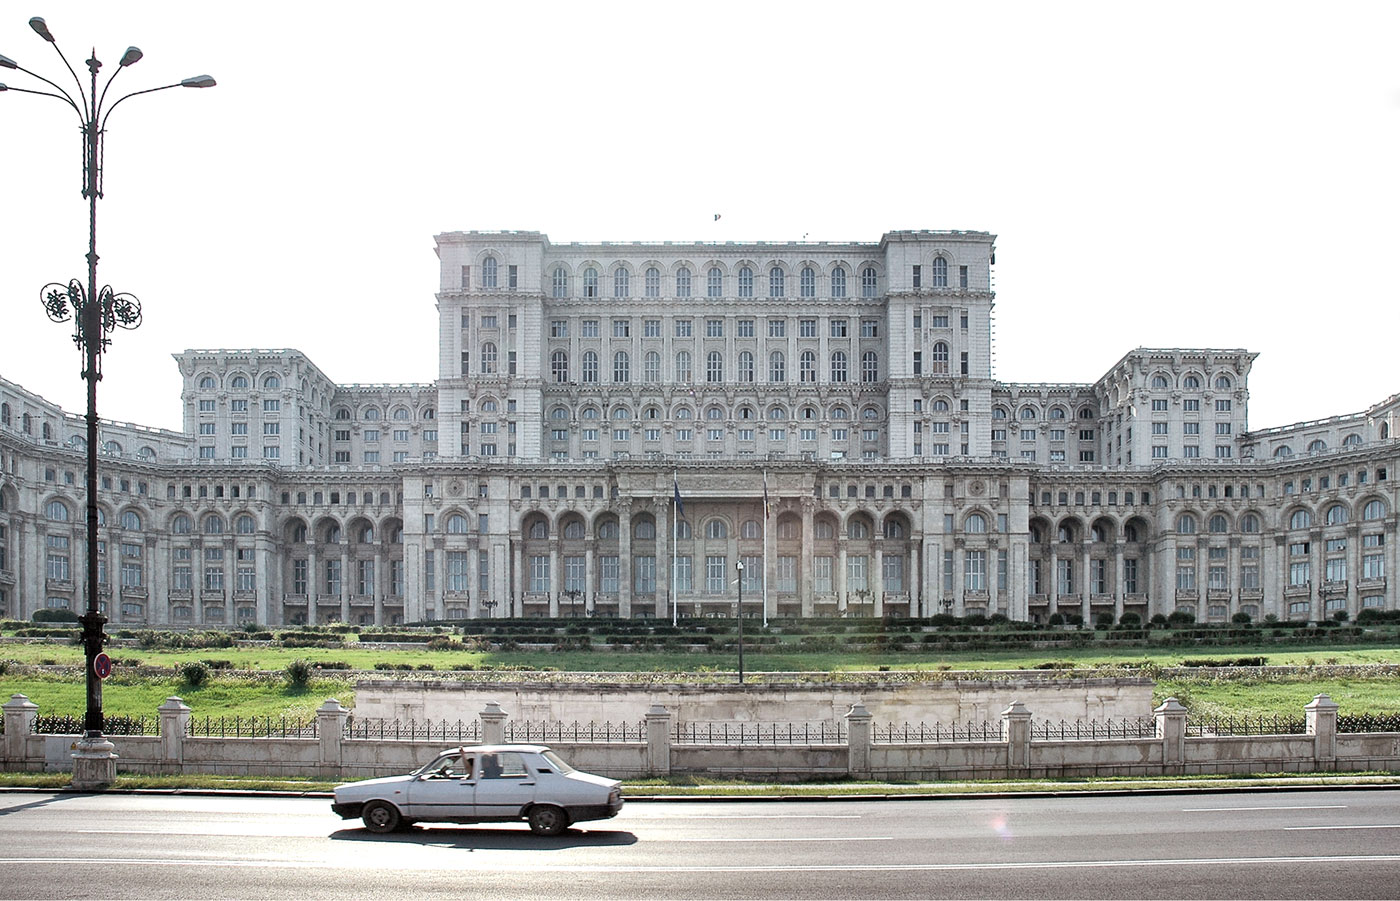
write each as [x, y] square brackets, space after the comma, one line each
[321, 863]
[1317, 828]
[763, 841]
[1234, 809]
[756, 816]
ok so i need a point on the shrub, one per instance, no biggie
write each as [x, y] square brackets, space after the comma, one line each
[193, 674]
[1057, 619]
[386, 665]
[1340, 616]
[299, 674]
[218, 664]
[1158, 620]
[1179, 618]
[1130, 619]
[55, 616]
[1103, 620]
[1240, 618]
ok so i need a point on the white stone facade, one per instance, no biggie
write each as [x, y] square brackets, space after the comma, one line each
[828, 411]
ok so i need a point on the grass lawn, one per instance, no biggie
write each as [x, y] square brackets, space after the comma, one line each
[138, 696]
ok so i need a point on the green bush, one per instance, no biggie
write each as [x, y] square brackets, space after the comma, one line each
[193, 674]
[1180, 618]
[299, 674]
[55, 616]
[1130, 619]
[218, 664]
[1241, 618]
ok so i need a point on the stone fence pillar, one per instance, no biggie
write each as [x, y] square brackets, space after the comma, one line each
[174, 723]
[658, 720]
[493, 724]
[19, 720]
[1322, 726]
[1171, 730]
[858, 739]
[1016, 732]
[330, 732]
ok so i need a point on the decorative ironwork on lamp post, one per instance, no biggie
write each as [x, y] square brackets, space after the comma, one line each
[95, 313]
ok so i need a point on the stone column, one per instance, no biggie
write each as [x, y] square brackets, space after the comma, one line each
[877, 578]
[1052, 580]
[664, 539]
[1016, 732]
[381, 584]
[959, 575]
[556, 577]
[658, 720]
[624, 561]
[916, 580]
[1119, 591]
[1322, 726]
[1353, 569]
[311, 576]
[840, 574]
[474, 592]
[265, 564]
[330, 730]
[1085, 580]
[19, 720]
[517, 577]
[493, 724]
[347, 578]
[1171, 731]
[804, 560]
[858, 739]
[174, 723]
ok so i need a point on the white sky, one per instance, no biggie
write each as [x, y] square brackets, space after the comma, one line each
[1168, 175]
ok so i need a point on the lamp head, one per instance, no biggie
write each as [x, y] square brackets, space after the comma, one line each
[197, 81]
[132, 55]
[41, 29]
[7, 63]
[2, 86]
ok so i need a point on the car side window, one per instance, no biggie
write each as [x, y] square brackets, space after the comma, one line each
[452, 767]
[505, 765]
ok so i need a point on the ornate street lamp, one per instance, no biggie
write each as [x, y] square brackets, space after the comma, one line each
[95, 315]
[740, 566]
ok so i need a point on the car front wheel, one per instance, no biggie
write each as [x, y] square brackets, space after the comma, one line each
[547, 819]
[381, 817]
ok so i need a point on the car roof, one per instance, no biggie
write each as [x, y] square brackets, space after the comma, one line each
[494, 749]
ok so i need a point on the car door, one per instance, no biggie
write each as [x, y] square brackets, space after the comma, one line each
[444, 791]
[504, 785]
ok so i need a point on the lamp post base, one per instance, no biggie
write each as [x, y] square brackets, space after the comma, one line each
[94, 764]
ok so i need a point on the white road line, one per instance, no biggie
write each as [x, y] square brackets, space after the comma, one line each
[1233, 809]
[756, 816]
[763, 841]
[1318, 828]
[323, 864]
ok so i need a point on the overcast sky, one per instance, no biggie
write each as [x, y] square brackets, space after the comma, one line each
[1165, 175]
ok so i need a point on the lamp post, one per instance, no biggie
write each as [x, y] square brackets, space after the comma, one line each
[573, 595]
[740, 566]
[95, 315]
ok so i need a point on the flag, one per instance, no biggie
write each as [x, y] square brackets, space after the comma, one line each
[767, 506]
[680, 507]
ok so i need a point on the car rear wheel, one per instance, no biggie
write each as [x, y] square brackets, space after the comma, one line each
[546, 819]
[381, 817]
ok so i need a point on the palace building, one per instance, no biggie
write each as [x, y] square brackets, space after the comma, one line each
[615, 426]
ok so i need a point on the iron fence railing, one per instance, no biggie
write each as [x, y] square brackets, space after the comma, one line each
[409, 730]
[921, 733]
[1247, 725]
[543, 732]
[251, 727]
[791, 734]
[1368, 722]
[72, 724]
[1082, 730]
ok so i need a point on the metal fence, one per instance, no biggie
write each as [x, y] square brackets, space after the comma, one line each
[1248, 725]
[1368, 722]
[1081, 730]
[72, 724]
[410, 730]
[251, 727]
[546, 732]
[910, 734]
[795, 734]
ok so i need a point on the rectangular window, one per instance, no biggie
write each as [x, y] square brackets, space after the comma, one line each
[539, 573]
[559, 328]
[651, 328]
[821, 575]
[1098, 576]
[1159, 405]
[807, 328]
[975, 570]
[644, 574]
[609, 571]
[870, 328]
[716, 574]
[683, 328]
[856, 573]
[745, 328]
[777, 328]
[683, 575]
[838, 328]
[622, 328]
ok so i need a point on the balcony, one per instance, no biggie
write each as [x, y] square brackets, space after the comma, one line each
[1334, 587]
[1298, 591]
[7, 577]
[1376, 584]
[134, 591]
[181, 594]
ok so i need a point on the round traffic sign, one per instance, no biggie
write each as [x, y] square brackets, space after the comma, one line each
[102, 666]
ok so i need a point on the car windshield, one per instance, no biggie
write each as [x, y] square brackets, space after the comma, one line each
[559, 765]
[438, 762]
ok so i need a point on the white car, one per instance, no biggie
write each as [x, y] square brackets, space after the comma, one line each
[483, 784]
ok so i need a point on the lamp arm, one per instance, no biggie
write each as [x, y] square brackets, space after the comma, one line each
[84, 111]
[97, 106]
[61, 95]
[108, 114]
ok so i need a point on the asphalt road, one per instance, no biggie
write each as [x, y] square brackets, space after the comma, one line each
[1318, 844]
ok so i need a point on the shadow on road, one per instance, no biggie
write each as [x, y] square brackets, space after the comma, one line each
[6, 809]
[491, 839]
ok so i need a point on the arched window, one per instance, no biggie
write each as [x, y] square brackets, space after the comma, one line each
[824, 530]
[560, 282]
[332, 534]
[562, 413]
[807, 367]
[777, 285]
[1186, 524]
[1317, 446]
[644, 530]
[1191, 383]
[714, 366]
[181, 524]
[838, 366]
[1337, 515]
[870, 366]
[975, 523]
[683, 367]
[206, 383]
[573, 530]
[1065, 534]
[651, 367]
[940, 406]
[46, 431]
[56, 511]
[365, 535]
[298, 533]
[1374, 509]
[272, 381]
[342, 413]
[894, 528]
[4, 414]
[840, 413]
[1219, 524]
[621, 413]
[1160, 382]
[456, 524]
[372, 414]
[684, 413]
[746, 282]
[1283, 450]
[401, 413]
[838, 282]
[1028, 413]
[777, 367]
[714, 414]
[622, 368]
[807, 286]
[940, 272]
[488, 272]
[1301, 519]
[1086, 413]
[682, 282]
[607, 530]
[590, 282]
[110, 447]
[1352, 440]
[745, 366]
[870, 414]
[622, 282]
[939, 359]
[131, 521]
[28, 428]
[539, 530]
[245, 525]
[652, 285]
[683, 529]
[1249, 523]
[714, 282]
[998, 412]
[1223, 383]
[213, 524]
[868, 282]
[777, 414]
[716, 528]
[750, 528]
[488, 358]
[239, 381]
[590, 367]
[857, 529]
[1057, 413]
[559, 366]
